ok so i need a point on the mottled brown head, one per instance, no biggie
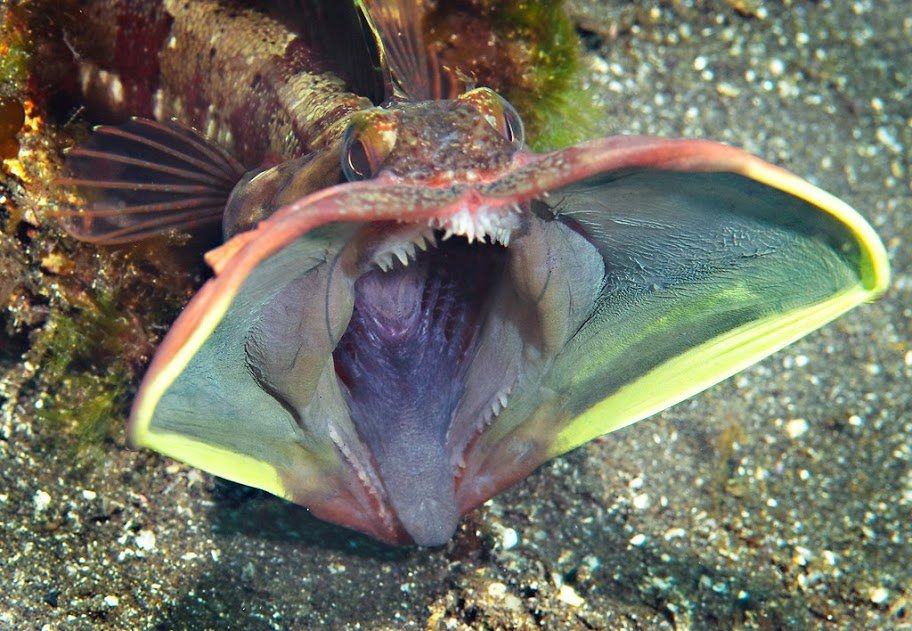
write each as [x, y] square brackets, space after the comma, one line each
[467, 139]
[449, 144]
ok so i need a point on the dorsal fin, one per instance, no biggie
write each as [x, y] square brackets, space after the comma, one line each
[338, 33]
[415, 69]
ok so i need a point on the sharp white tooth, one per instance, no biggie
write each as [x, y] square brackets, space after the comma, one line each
[502, 398]
[447, 234]
[402, 256]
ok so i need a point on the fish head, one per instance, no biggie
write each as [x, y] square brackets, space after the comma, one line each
[471, 138]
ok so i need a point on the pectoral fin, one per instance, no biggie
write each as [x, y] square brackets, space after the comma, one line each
[144, 178]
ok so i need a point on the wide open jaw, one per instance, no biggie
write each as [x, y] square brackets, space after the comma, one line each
[640, 253]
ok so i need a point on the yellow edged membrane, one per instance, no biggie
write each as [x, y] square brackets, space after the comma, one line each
[201, 318]
[721, 357]
[666, 383]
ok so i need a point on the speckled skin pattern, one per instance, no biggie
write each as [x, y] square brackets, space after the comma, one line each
[243, 77]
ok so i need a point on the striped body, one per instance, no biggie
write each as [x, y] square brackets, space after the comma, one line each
[247, 79]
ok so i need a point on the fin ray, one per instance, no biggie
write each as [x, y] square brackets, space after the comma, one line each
[415, 68]
[144, 178]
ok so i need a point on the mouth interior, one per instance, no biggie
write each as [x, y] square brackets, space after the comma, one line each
[402, 364]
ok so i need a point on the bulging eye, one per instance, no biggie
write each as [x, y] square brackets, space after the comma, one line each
[356, 162]
[498, 113]
[512, 126]
[366, 144]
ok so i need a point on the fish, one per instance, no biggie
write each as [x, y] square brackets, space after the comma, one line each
[412, 311]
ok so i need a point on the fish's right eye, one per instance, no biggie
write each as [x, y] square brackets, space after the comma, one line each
[356, 162]
[366, 144]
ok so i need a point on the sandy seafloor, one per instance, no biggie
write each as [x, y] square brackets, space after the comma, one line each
[781, 498]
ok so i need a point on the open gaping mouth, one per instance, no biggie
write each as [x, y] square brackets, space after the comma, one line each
[403, 364]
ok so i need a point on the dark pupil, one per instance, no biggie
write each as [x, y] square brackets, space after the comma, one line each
[510, 132]
[358, 159]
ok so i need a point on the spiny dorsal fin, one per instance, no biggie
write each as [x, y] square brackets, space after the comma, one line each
[144, 178]
[416, 70]
[339, 35]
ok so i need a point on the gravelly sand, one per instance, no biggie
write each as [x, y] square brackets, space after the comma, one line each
[781, 498]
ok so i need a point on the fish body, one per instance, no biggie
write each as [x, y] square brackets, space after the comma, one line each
[411, 310]
[250, 78]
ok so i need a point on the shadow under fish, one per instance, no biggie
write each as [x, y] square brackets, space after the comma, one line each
[411, 311]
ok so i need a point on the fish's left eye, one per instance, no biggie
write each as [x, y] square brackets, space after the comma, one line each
[366, 144]
[512, 125]
[498, 113]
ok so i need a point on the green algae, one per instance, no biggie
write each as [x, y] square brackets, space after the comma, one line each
[81, 367]
[86, 413]
[527, 51]
[14, 53]
[551, 100]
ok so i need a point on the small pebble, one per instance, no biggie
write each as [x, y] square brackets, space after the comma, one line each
[888, 139]
[674, 533]
[111, 601]
[776, 67]
[796, 427]
[638, 540]
[879, 595]
[41, 500]
[801, 556]
[145, 540]
[509, 538]
[568, 595]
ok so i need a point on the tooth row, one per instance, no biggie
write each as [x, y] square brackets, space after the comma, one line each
[498, 404]
[405, 251]
[484, 225]
[427, 239]
[370, 483]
